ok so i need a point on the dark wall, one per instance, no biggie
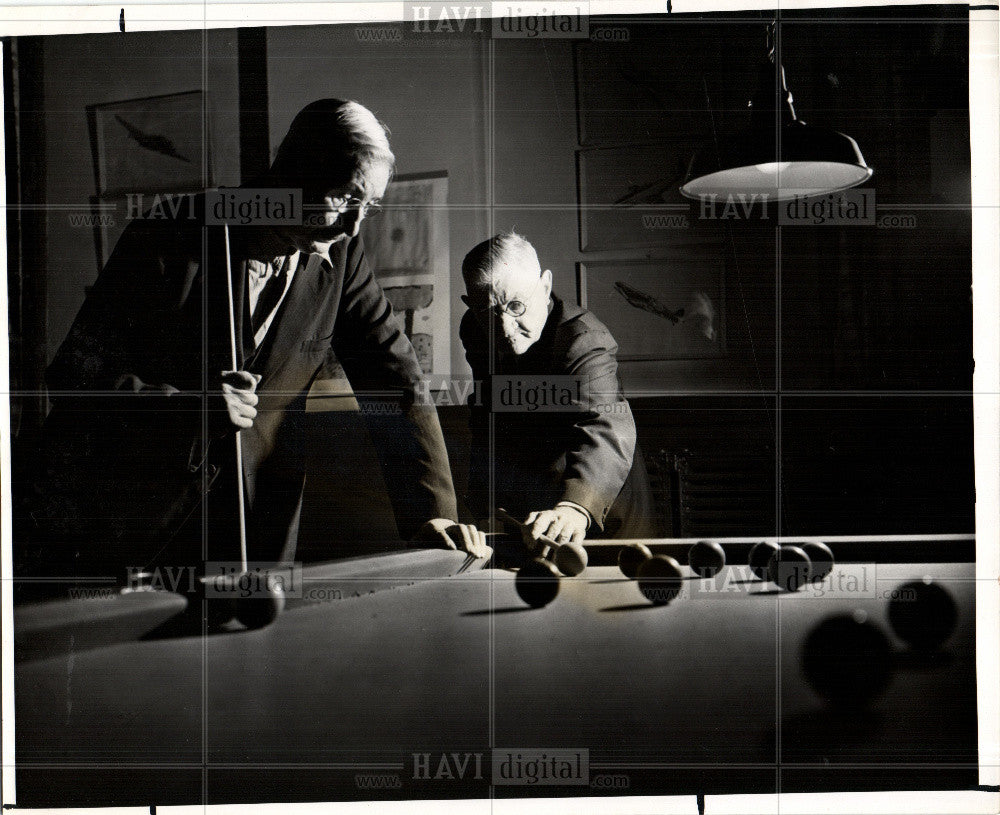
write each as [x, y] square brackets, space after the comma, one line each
[848, 360]
[844, 393]
[846, 465]
[878, 306]
[82, 70]
[889, 306]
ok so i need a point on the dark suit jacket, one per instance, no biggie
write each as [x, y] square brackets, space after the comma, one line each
[582, 451]
[128, 389]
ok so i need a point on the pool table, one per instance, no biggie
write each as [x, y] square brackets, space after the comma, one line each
[413, 674]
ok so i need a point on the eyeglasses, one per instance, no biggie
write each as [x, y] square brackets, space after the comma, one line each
[368, 209]
[514, 308]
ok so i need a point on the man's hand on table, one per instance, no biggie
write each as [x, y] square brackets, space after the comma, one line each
[450, 535]
[562, 524]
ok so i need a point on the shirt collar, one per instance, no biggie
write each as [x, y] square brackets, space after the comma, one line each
[325, 256]
[265, 245]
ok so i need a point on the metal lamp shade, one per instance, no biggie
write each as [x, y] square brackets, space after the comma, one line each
[805, 161]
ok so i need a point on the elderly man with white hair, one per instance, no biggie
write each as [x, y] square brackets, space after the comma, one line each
[560, 452]
[147, 398]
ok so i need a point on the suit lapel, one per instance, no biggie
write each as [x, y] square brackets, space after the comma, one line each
[310, 286]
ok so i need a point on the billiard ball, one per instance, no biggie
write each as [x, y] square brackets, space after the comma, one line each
[537, 583]
[659, 579]
[631, 557]
[706, 558]
[571, 559]
[789, 568]
[847, 660]
[923, 614]
[262, 607]
[760, 556]
[821, 558]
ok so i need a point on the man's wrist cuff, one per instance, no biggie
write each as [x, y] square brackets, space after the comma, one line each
[578, 508]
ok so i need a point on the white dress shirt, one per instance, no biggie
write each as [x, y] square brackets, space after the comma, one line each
[277, 272]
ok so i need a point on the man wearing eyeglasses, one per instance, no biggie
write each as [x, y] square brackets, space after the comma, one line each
[147, 398]
[552, 432]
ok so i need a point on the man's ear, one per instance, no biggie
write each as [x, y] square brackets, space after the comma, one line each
[547, 282]
[465, 300]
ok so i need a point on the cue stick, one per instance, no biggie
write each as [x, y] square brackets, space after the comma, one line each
[543, 540]
[239, 439]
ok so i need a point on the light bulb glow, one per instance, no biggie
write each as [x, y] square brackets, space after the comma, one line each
[773, 167]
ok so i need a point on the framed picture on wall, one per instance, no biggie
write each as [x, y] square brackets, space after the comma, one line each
[636, 94]
[629, 195]
[154, 144]
[659, 310]
[113, 213]
[407, 247]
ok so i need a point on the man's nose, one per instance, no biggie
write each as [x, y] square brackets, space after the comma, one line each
[351, 221]
[509, 324]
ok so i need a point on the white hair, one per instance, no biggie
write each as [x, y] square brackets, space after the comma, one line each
[505, 249]
[328, 140]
